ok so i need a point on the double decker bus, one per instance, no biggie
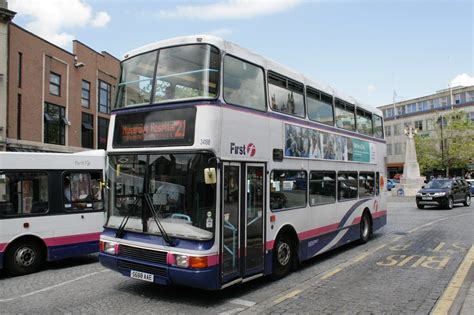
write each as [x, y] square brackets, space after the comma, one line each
[51, 207]
[225, 166]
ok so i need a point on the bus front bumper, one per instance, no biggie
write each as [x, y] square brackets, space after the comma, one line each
[206, 278]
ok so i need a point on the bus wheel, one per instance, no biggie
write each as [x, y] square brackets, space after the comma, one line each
[23, 257]
[365, 228]
[282, 256]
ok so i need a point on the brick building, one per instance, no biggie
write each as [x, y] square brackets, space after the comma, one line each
[56, 100]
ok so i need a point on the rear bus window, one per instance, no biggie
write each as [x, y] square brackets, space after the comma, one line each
[82, 191]
[288, 189]
[23, 193]
[244, 84]
[322, 188]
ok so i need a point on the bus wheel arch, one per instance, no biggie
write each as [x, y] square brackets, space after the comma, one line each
[366, 226]
[285, 252]
[24, 255]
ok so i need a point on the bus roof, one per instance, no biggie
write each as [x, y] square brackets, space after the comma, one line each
[93, 159]
[246, 54]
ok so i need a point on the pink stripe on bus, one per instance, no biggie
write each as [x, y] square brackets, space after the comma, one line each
[213, 260]
[72, 239]
[2, 247]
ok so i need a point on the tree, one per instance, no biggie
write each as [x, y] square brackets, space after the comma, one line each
[449, 145]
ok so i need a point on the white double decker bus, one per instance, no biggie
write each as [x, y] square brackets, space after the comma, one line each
[51, 207]
[225, 166]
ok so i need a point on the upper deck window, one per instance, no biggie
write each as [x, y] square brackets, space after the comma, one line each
[364, 122]
[320, 106]
[181, 73]
[378, 126]
[345, 117]
[286, 95]
[244, 84]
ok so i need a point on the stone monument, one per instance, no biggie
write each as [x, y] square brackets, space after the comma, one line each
[411, 181]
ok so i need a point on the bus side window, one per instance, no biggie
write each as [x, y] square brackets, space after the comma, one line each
[82, 191]
[23, 193]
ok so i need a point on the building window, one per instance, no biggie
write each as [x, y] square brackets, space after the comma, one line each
[20, 68]
[18, 117]
[388, 112]
[54, 84]
[397, 129]
[470, 96]
[24, 194]
[444, 101]
[322, 188]
[86, 94]
[104, 97]
[398, 148]
[54, 124]
[103, 128]
[288, 189]
[400, 110]
[460, 98]
[471, 115]
[87, 131]
[388, 131]
[419, 125]
[429, 124]
[389, 149]
[411, 108]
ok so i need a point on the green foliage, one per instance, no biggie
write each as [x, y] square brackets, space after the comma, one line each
[449, 145]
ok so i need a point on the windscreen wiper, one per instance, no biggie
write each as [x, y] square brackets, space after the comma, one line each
[150, 206]
[124, 222]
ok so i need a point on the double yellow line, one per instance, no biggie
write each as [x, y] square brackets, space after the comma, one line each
[449, 296]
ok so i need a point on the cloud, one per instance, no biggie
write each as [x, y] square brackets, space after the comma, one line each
[462, 80]
[49, 18]
[101, 19]
[371, 88]
[230, 9]
[221, 32]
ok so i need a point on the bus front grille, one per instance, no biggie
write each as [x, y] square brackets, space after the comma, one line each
[122, 264]
[148, 255]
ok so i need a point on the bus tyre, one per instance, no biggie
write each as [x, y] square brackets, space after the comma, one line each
[467, 201]
[449, 203]
[282, 256]
[23, 257]
[365, 228]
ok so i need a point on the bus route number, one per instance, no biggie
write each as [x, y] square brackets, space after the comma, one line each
[205, 141]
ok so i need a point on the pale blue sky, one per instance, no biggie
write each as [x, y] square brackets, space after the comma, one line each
[363, 48]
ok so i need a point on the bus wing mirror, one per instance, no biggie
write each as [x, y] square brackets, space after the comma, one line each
[210, 175]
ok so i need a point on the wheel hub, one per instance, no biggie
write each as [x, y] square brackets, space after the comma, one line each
[284, 253]
[365, 227]
[25, 256]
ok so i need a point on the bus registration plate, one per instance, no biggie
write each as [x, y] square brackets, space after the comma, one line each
[141, 275]
[426, 198]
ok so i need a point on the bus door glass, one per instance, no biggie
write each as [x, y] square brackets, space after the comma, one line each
[243, 220]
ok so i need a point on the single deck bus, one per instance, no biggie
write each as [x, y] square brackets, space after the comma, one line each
[51, 207]
[225, 166]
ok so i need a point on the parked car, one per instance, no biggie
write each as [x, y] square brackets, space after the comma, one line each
[444, 193]
[470, 182]
[391, 183]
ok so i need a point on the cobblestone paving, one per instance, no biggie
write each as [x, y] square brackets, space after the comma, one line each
[385, 279]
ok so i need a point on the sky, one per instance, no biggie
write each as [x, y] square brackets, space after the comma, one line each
[374, 50]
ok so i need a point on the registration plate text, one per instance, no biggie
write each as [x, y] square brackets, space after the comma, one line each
[141, 275]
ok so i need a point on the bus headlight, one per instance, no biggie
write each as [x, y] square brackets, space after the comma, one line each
[109, 247]
[185, 261]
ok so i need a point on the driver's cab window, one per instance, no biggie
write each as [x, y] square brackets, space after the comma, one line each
[82, 191]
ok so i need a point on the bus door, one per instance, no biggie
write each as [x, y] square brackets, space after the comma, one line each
[243, 211]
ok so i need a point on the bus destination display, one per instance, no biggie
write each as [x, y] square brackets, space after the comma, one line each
[163, 130]
[157, 128]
